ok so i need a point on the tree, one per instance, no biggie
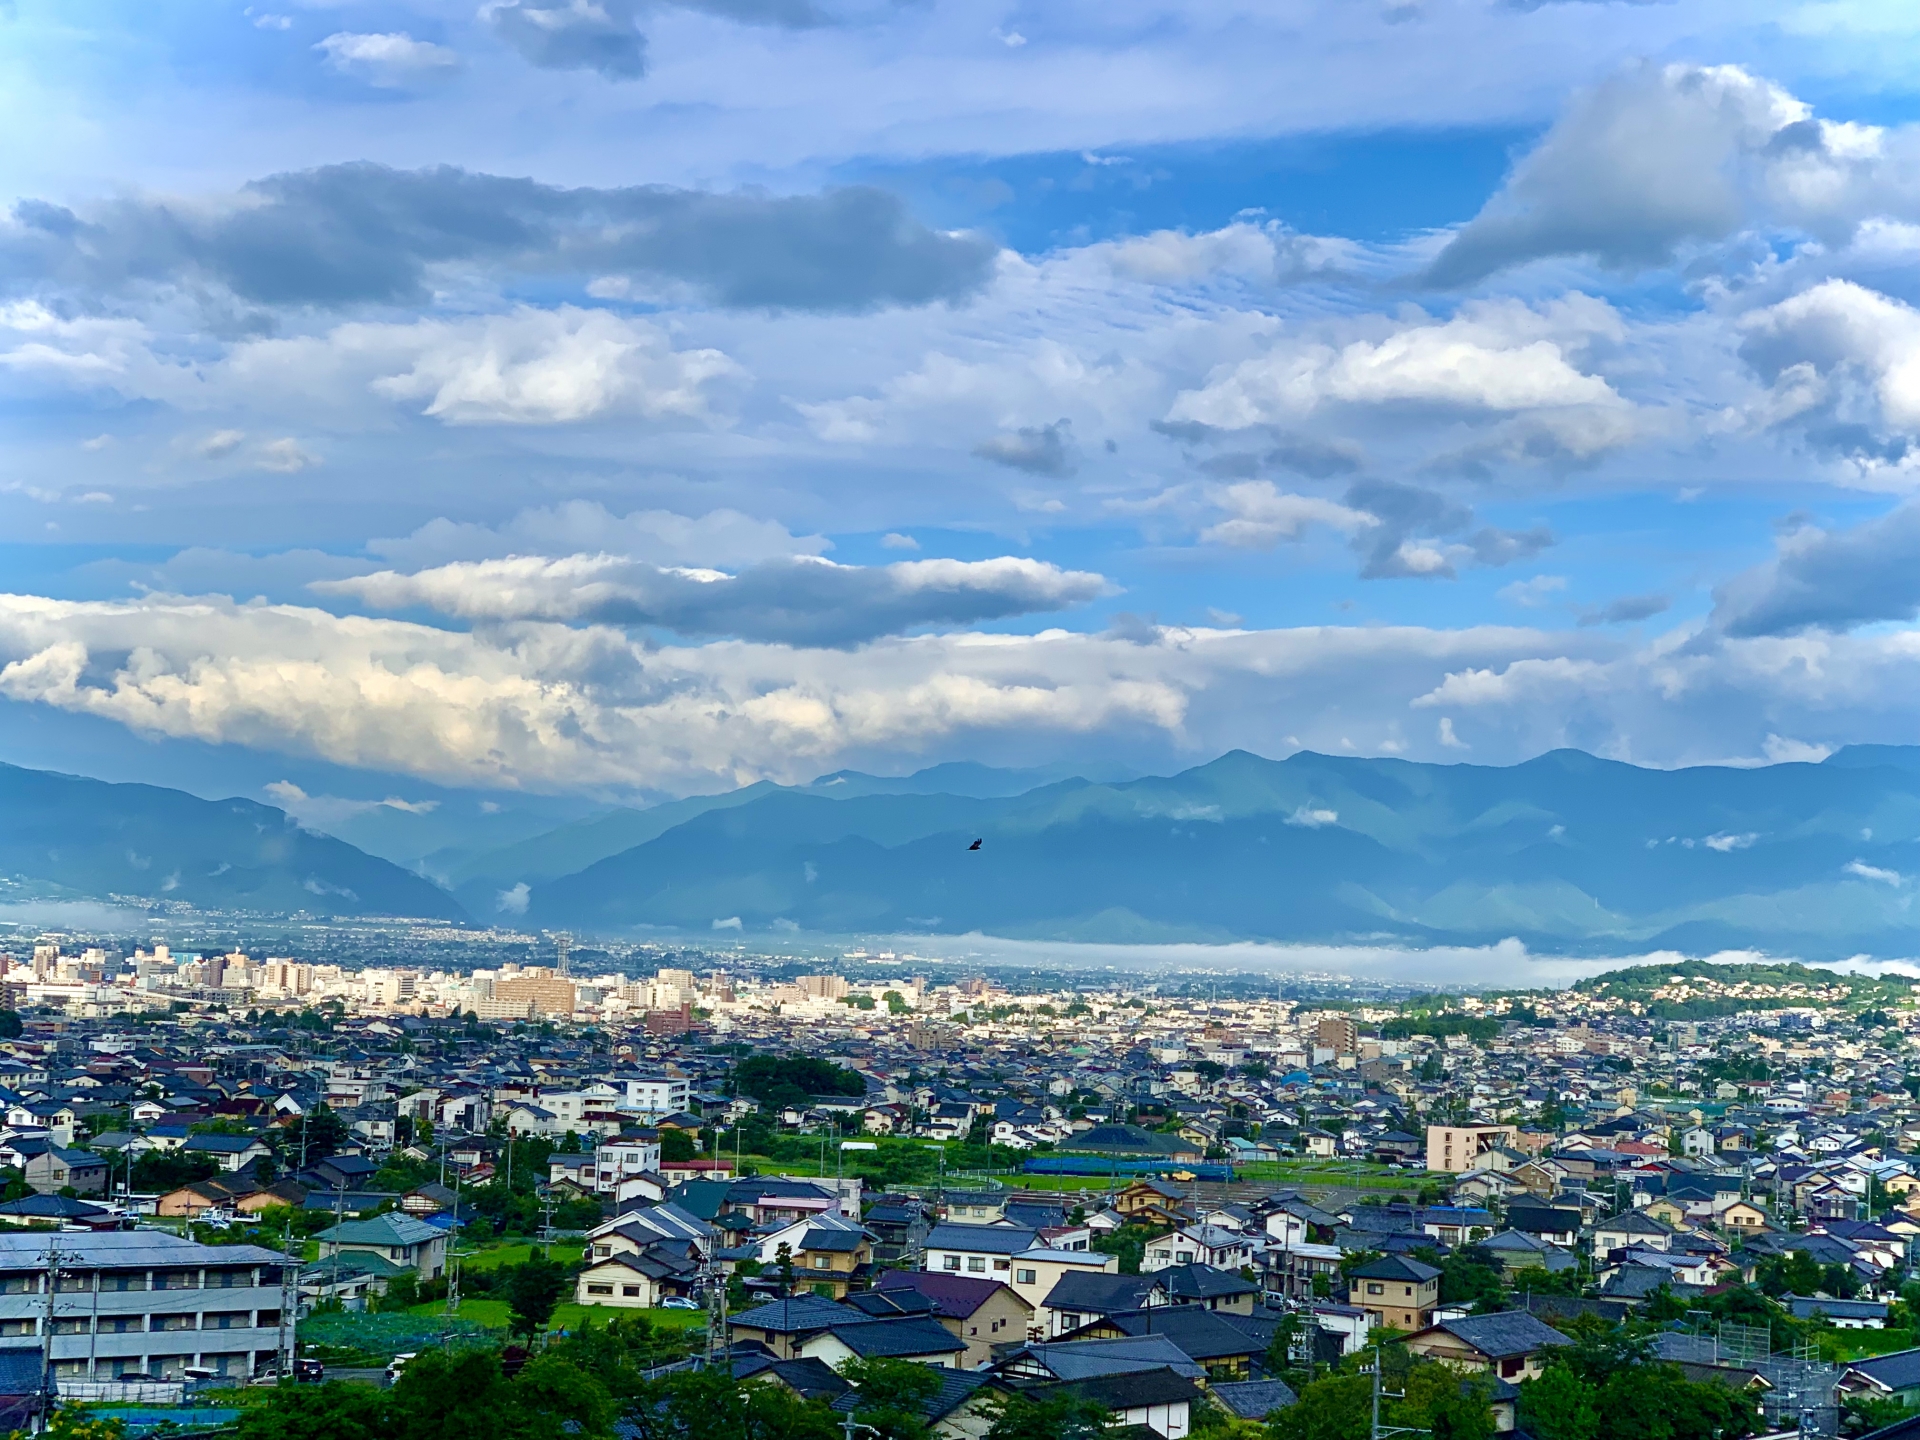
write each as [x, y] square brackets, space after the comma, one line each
[1061, 1415]
[534, 1288]
[780, 1081]
[10, 1026]
[70, 1424]
[712, 1405]
[1450, 1405]
[1658, 1402]
[676, 1145]
[1559, 1406]
[322, 1132]
[1337, 1408]
[333, 1411]
[892, 1396]
[159, 1171]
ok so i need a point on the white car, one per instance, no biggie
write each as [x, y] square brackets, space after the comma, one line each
[678, 1302]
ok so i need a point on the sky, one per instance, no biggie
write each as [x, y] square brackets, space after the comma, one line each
[415, 408]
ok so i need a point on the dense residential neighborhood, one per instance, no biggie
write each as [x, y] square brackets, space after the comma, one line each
[1183, 1213]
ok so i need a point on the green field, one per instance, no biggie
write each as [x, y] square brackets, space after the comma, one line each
[493, 1256]
[494, 1315]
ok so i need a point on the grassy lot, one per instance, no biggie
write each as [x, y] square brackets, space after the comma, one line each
[1845, 1345]
[494, 1315]
[494, 1256]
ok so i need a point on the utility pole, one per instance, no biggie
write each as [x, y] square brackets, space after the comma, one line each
[289, 1302]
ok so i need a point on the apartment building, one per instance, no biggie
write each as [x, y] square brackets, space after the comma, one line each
[142, 1302]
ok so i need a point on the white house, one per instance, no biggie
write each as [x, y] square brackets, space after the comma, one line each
[1198, 1245]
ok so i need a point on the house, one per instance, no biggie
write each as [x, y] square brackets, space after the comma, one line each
[1894, 1376]
[230, 1152]
[1635, 1230]
[1159, 1401]
[1199, 1245]
[1841, 1314]
[782, 1327]
[962, 1408]
[399, 1239]
[55, 1169]
[636, 1279]
[1212, 1341]
[977, 1249]
[1510, 1344]
[921, 1339]
[984, 1313]
[1396, 1292]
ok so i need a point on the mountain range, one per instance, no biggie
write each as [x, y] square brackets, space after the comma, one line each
[68, 837]
[1566, 852]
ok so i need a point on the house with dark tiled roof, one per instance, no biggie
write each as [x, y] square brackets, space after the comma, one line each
[984, 1313]
[1510, 1344]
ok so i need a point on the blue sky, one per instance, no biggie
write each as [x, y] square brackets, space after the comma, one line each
[539, 403]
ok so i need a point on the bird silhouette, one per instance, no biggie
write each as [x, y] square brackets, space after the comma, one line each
[974, 846]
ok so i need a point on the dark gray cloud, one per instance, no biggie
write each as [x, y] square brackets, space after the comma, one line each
[1036, 449]
[792, 602]
[604, 35]
[1628, 609]
[1279, 449]
[365, 234]
[573, 35]
[1829, 580]
[1412, 540]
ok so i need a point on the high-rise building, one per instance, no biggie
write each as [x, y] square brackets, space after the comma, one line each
[823, 987]
[546, 992]
[1338, 1034]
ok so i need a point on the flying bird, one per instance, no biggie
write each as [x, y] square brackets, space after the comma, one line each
[974, 846]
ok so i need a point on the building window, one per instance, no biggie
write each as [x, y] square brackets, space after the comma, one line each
[173, 1322]
[600, 1289]
[950, 1262]
[1024, 1277]
[632, 1292]
[977, 1263]
[1376, 1289]
[1002, 1264]
[224, 1320]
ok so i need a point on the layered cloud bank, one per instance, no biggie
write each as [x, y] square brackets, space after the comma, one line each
[577, 484]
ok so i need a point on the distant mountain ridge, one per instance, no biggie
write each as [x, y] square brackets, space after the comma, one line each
[1566, 852]
[1569, 853]
[69, 836]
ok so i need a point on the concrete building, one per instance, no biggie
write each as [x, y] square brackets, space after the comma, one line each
[143, 1302]
[1457, 1149]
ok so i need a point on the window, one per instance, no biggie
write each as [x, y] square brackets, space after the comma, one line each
[173, 1322]
[950, 1262]
[176, 1279]
[632, 1292]
[70, 1327]
[1376, 1289]
[977, 1263]
[600, 1289]
[126, 1324]
[266, 1319]
[1407, 1290]
[1002, 1264]
[229, 1279]
[1024, 1277]
[823, 1262]
[16, 1327]
[224, 1320]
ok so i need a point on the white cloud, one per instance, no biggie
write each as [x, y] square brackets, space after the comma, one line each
[1873, 872]
[732, 922]
[1313, 818]
[1447, 738]
[390, 59]
[893, 540]
[513, 901]
[1535, 592]
[1260, 515]
[724, 538]
[1726, 843]
[549, 708]
[800, 601]
[322, 811]
[1493, 357]
[1780, 750]
[549, 367]
[286, 457]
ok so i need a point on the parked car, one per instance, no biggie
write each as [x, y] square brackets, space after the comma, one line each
[398, 1364]
[678, 1302]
